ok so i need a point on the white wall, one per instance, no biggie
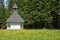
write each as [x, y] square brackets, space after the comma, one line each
[14, 26]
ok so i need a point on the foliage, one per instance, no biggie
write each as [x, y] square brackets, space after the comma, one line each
[2, 17]
[36, 13]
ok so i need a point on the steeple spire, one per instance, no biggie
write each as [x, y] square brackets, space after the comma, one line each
[15, 6]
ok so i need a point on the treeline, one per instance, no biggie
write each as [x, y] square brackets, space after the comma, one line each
[36, 13]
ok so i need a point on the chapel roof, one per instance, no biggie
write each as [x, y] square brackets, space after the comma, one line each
[15, 17]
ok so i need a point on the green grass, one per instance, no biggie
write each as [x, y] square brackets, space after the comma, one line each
[29, 34]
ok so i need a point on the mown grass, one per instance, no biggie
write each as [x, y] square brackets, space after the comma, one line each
[29, 34]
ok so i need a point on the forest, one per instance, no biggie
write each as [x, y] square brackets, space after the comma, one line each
[38, 14]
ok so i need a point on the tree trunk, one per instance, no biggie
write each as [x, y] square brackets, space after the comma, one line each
[45, 24]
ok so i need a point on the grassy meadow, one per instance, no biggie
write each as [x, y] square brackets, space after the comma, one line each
[29, 34]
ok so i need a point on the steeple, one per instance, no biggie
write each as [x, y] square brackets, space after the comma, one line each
[15, 6]
[15, 9]
[15, 17]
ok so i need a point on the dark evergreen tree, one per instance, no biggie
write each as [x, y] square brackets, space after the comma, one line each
[38, 13]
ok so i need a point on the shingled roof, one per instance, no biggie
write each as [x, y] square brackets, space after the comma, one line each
[15, 16]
